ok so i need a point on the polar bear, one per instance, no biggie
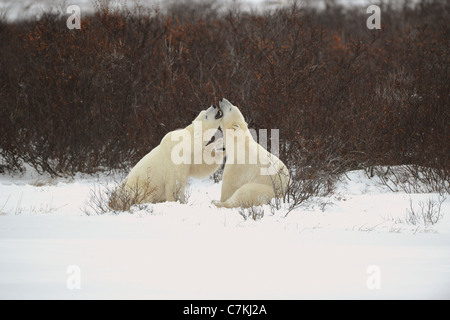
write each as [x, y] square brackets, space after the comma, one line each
[252, 175]
[162, 174]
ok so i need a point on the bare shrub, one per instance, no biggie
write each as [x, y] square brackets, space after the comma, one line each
[113, 197]
[123, 197]
[98, 200]
[305, 187]
[253, 212]
[426, 213]
[181, 194]
[413, 179]
[314, 173]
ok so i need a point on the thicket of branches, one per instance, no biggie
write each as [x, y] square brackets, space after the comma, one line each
[342, 96]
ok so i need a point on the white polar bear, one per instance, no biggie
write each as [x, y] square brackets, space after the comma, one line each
[252, 175]
[162, 174]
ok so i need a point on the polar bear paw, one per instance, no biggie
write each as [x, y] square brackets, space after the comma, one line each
[217, 203]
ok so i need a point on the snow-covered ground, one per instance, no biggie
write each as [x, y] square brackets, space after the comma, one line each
[357, 243]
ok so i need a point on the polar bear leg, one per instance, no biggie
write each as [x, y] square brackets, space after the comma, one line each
[250, 194]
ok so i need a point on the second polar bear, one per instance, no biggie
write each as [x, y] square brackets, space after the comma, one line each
[162, 174]
[252, 175]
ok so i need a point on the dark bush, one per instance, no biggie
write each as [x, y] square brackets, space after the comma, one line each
[342, 96]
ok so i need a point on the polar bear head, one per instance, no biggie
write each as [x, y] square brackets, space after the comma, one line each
[210, 118]
[232, 117]
[206, 124]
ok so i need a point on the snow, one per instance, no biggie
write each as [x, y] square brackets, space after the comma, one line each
[326, 249]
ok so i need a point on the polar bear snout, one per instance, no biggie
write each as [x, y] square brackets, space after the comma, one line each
[219, 114]
[225, 106]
